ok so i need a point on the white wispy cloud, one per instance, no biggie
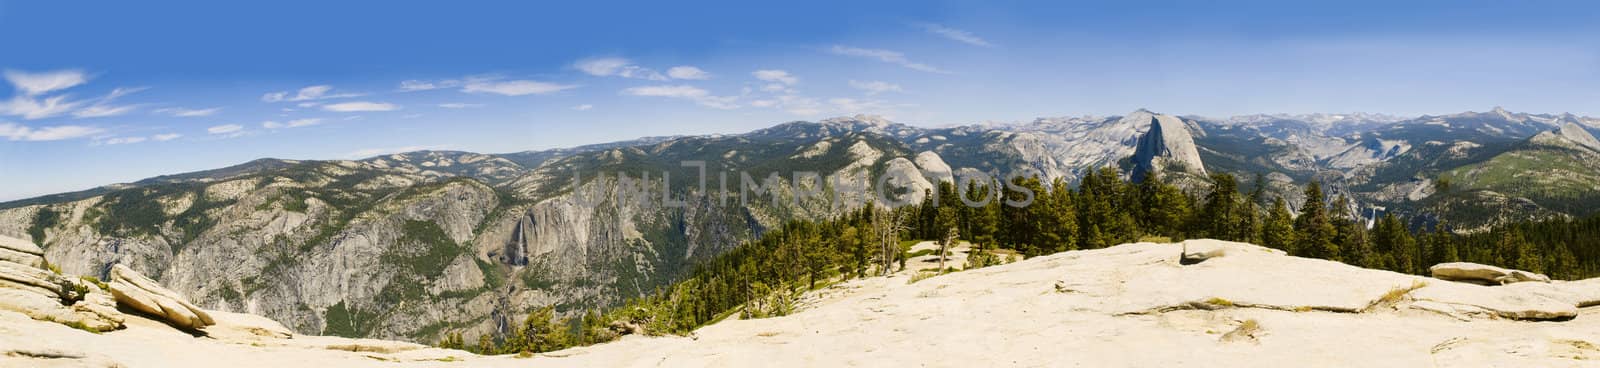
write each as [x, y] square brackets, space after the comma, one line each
[100, 111]
[583, 107]
[165, 137]
[33, 84]
[188, 113]
[103, 107]
[887, 56]
[515, 87]
[296, 123]
[19, 132]
[124, 140]
[317, 92]
[619, 67]
[459, 105]
[687, 92]
[955, 34]
[874, 87]
[420, 85]
[360, 106]
[687, 72]
[31, 103]
[32, 109]
[225, 129]
[775, 75]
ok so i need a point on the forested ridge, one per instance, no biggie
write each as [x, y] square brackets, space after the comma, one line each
[766, 277]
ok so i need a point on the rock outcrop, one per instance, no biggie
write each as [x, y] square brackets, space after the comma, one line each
[1579, 135]
[145, 295]
[1483, 274]
[934, 168]
[27, 287]
[1134, 305]
[1167, 145]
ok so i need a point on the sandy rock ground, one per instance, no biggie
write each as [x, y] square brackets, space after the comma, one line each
[1132, 305]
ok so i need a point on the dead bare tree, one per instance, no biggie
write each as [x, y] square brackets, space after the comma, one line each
[886, 226]
[944, 247]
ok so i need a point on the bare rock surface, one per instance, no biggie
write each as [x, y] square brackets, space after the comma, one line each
[1133, 305]
[1483, 274]
[28, 288]
[145, 295]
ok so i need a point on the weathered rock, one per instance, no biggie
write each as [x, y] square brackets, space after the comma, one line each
[31, 278]
[19, 245]
[1483, 274]
[20, 252]
[145, 295]
[626, 328]
[1196, 252]
[1512, 303]
[246, 327]
[27, 288]
[25, 259]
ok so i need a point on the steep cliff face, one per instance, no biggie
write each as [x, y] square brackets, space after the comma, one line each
[1167, 145]
[330, 247]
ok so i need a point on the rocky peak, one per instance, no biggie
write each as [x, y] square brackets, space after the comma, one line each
[1578, 135]
[1167, 142]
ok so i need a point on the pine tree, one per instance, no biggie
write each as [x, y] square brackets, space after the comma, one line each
[1164, 207]
[1219, 214]
[1443, 244]
[1313, 229]
[1393, 243]
[1278, 230]
[1064, 218]
[1520, 253]
[1349, 234]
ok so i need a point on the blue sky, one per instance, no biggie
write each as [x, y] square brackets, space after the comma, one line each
[114, 91]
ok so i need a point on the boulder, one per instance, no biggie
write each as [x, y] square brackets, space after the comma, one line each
[1483, 274]
[1196, 252]
[1502, 302]
[27, 288]
[142, 294]
[20, 245]
[20, 252]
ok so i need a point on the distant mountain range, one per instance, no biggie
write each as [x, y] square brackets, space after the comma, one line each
[408, 245]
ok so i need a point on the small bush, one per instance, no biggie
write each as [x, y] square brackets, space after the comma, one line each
[96, 282]
[1396, 294]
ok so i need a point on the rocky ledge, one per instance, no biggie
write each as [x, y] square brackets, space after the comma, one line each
[1199, 303]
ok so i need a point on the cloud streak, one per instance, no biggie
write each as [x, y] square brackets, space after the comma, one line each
[296, 123]
[18, 132]
[189, 113]
[686, 92]
[226, 130]
[887, 56]
[688, 72]
[515, 87]
[956, 35]
[874, 87]
[317, 92]
[33, 84]
[360, 106]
